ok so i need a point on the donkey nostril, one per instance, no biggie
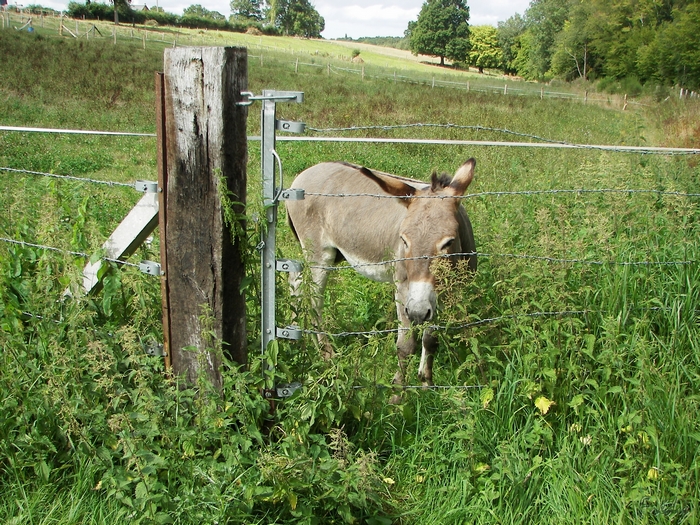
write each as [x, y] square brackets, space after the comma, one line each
[428, 315]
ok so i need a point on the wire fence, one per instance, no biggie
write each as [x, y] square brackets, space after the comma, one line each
[478, 128]
[542, 141]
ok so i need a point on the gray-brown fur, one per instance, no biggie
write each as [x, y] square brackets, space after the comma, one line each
[367, 229]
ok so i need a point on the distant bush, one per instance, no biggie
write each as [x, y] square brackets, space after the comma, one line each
[96, 11]
[36, 9]
[196, 22]
[92, 11]
[163, 18]
[628, 85]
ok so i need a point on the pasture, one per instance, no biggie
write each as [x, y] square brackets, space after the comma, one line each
[569, 365]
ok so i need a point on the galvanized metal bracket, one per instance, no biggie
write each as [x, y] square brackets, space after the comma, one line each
[290, 332]
[288, 265]
[281, 391]
[155, 350]
[150, 267]
[289, 126]
[146, 186]
[288, 389]
[292, 194]
[274, 96]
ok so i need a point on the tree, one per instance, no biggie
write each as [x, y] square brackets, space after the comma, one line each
[485, 51]
[544, 18]
[120, 5]
[296, 17]
[509, 33]
[678, 45]
[572, 45]
[247, 10]
[197, 11]
[442, 30]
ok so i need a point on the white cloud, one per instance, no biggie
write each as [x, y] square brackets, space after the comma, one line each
[369, 20]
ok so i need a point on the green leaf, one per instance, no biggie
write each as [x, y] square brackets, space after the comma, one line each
[486, 397]
[577, 401]
[42, 470]
[141, 491]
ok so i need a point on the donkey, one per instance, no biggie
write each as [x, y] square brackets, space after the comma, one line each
[367, 231]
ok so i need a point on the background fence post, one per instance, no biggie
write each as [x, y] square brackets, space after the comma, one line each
[206, 146]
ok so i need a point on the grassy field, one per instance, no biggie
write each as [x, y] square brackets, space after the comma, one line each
[577, 402]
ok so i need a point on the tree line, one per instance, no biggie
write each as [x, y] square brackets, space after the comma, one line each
[271, 17]
[636, 42]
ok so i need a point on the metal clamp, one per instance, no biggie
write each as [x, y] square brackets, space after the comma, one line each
[281, 391]
[154, 349]
[290, 126]
[288, 389]
[146, 186]
[150, 267]
[291, 332]
[275, 96]
[288, 265]
[291, 194]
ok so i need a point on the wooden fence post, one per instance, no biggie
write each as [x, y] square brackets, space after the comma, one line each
[206, 146]
[162, 160]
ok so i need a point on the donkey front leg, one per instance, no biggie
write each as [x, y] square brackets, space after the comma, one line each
[425, 369]
[315, 290]
[405, 347]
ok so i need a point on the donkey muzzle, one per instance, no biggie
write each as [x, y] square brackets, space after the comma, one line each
[420, 302]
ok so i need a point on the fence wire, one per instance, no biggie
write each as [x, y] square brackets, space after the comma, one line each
[480, 322]
[542, 141]
[63, 251]
[540, 258]
[68, 177]
[504, 193]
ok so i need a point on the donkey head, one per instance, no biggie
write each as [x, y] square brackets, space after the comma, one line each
[430, 228]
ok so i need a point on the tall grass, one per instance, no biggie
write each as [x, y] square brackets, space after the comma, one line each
[585, 416]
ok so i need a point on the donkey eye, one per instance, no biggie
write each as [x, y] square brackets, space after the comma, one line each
[447, 244]
[404, 241]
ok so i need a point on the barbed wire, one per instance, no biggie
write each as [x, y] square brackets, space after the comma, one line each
[64, 251]
[479, 322]
[546, 141]
[541, 258]
[504, 193]
[67, 177]
[394, 386]
[391, 127]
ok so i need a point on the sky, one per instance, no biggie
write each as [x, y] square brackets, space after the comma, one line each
[354, 18]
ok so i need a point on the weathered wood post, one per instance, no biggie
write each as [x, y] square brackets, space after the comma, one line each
[206, 156]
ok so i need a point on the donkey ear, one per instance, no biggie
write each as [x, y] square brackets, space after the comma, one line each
[390, 185]
[463, 177]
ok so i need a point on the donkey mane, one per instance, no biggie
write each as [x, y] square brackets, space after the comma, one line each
[365, 171]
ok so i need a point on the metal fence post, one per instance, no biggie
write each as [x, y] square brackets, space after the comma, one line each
[269, 246]
[272, 194]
